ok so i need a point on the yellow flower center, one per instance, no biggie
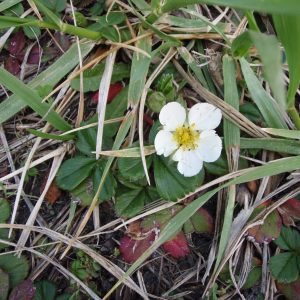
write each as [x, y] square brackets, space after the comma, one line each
[186, 137]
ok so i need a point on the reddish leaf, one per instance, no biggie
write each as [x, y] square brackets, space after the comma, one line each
[178, 246]
[17, 43]
[53, 192]
[132, 249]
[271, 227]
[114, 90]
[34, 56]
[12, 65]
[200, 222]
[289, 210]
[23, 291]
[290, 290]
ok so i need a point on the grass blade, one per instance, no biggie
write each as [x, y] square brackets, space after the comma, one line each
[288, 29]
[50, 136]
[232, 147]
[51, 76]
[139, 70]
[8, 3]
[288, 7]
[269, 109]
[292, 134]
[31, 98]
[276, 145]
[269, 50]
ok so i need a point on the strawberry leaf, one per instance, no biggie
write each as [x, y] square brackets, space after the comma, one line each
[24, 291]
[285, 267]
[200, 222]
[290, 290]
[270, 229]
[289, 239]
[132, 249]
[178, 246]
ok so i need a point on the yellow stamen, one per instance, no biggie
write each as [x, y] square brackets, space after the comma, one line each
[186, 137]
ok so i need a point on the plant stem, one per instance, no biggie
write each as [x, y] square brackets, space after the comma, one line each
[295, 116]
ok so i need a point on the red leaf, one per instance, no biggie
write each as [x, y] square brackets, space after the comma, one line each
[17, 43]
[12, 65]
[53, 192]
[290, 290]
[34, 56]
[292, 208]
[132, 249]
[178, 246]
[114, 90]
[23, 291]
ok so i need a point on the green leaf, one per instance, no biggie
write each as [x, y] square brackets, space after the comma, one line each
[130, 203]
[45, 290]
[218, 167]
[268, 107]
[74, 171]
[33, 100]
[86, 140]
[4, 232]
[284, 267]
[55, 5]
[289, 239]
[4, 285]
[51, 76]
[4, 210]
[16, 268]
[110, 183]
[92, 77]
[171, 185]
[287, 28]
[132, 168]
[253, 278]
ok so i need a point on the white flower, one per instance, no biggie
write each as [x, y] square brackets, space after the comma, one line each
[189, 138]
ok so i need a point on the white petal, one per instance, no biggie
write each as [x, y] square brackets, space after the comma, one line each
[164, 143]
[205, 116]
[189, 163]
[172, 115]
[210, 146]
